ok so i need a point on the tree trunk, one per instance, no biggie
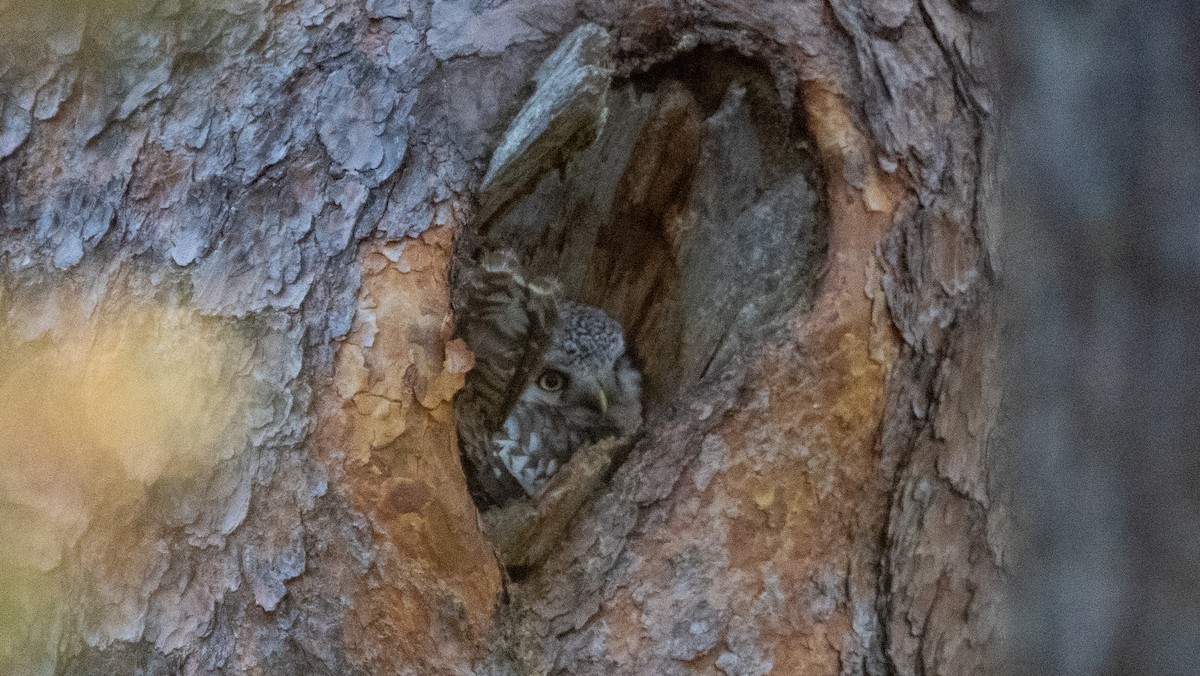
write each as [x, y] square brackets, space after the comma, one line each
[228, 362]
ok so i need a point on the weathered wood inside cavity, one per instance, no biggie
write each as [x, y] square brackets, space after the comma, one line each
[566, 111]
[694, 217]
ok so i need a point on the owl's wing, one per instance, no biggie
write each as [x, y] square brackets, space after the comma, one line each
[505, 318]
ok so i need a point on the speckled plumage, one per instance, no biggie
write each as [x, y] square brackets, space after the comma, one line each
[550, 377]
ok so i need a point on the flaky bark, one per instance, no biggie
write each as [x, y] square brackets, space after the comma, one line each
[252, 207]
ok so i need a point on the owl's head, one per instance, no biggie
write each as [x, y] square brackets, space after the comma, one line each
[584, 370]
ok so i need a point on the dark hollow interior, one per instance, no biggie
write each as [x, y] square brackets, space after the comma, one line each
[695, 218]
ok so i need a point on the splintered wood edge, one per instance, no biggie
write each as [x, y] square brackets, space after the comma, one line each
[564, 114]
[525, 531]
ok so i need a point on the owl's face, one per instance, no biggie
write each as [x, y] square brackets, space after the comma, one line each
[565, 384]
[584, 377]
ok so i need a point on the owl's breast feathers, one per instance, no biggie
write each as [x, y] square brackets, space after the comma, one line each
[535, 440]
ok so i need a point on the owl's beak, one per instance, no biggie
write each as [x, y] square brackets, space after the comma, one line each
[602, 400]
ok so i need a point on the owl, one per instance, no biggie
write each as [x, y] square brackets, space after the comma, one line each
[550, 376]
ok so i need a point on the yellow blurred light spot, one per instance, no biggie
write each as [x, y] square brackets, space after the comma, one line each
[88, 423]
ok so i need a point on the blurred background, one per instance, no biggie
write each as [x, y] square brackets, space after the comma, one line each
[1100, 265]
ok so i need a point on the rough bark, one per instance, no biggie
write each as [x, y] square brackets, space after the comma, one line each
[228, 232]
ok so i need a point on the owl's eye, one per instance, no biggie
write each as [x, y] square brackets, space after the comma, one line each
[551, 381]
